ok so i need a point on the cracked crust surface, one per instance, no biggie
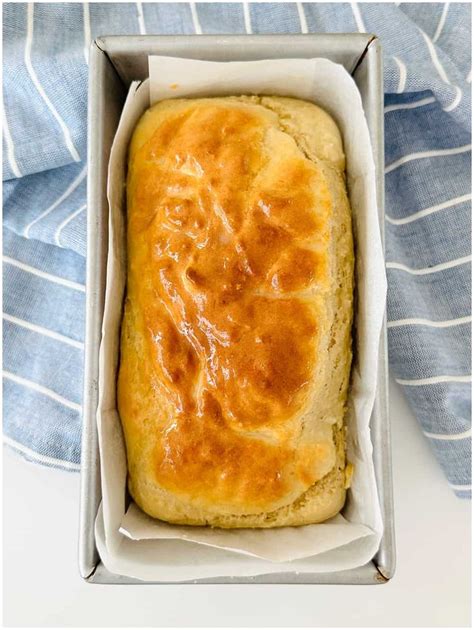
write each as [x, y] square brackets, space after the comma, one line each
[236, 348]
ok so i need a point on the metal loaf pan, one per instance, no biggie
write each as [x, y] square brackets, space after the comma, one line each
[115, 61]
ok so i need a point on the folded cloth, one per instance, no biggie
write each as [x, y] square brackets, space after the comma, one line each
[428, 198]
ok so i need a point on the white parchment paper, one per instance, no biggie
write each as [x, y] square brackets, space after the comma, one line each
[130, 542]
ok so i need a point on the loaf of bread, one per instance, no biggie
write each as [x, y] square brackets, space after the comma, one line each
[236, 336]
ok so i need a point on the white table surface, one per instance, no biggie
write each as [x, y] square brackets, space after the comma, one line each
[431, 587]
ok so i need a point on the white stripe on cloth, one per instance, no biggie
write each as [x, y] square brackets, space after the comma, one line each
[420, 103]
[10, 145]
[427, 154]
[426, 270]
[461, 487]
[403, 75]
[358, 17]
[141, 19]
[42, 390]
[87, 30]
[247, 20]
[433, 380]
[43, 331]
[427, 211]
[194, 14]
[302, 17]
[29, 42]
[442, 20]
[67, 220]
[457, 100]
[418, 321]
[469, 76]
[449, 436]
[434, 58]
[70, 189]
[43, 459]
[441, 71]
[43, 274]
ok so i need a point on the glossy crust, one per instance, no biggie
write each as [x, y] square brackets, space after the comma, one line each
[236, 348]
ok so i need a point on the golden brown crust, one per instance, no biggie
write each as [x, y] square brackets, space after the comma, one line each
[235, 349]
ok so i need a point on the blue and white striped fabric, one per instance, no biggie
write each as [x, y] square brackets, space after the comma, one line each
[428, 201]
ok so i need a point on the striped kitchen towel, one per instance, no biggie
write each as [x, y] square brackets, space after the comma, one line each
[428, 202]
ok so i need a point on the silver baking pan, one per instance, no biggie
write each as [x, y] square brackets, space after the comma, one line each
[114, 63]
